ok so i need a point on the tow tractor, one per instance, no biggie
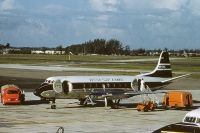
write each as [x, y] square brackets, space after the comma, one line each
[149, 101]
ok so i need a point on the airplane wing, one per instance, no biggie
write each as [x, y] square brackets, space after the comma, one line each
[176, 78]
[135, 93]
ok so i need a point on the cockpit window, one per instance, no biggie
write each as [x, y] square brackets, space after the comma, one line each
[49, 81]
[190, 119]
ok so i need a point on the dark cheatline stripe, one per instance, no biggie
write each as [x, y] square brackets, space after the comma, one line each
[43, 87]
[154, 85]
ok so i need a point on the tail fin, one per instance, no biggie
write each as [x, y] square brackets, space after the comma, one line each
[163, 68]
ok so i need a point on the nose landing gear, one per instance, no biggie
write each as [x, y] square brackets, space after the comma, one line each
[53, 104]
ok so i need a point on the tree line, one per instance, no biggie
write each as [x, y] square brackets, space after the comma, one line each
[4, 46]
[96, 46]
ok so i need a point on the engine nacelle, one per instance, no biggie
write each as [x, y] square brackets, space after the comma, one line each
[59, 87]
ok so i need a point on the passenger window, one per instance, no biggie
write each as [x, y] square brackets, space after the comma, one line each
[87, 85]
[198, 120]
[99, 85]
[190, 119]
[93, 85]
[107, 85]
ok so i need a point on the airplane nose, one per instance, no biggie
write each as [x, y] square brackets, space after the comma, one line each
[36, 92]
[42, 88]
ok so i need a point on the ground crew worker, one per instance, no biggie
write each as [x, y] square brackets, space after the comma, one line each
[142, 85]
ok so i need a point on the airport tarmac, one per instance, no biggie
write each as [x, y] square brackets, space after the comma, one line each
[35, 117]
[39, 118]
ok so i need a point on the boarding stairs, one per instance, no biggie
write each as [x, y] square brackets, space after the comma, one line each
[149, 95]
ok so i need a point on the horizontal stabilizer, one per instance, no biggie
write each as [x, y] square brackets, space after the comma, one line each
[175, 78]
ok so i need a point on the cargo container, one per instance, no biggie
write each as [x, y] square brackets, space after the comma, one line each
[177, 99]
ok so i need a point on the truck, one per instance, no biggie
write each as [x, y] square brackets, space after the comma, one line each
[177, 99]
[11, 94]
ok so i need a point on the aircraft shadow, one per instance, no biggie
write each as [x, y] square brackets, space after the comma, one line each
[196, 101]
[35, 102]
[129, 106]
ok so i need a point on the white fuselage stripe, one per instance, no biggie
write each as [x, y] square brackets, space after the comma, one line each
[163, 69]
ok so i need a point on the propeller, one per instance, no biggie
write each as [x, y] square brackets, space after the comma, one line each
[106, 102]
[105, 98]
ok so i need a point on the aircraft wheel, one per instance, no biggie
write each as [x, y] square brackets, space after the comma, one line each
[82, 101]
[110, 103]
[53, 106]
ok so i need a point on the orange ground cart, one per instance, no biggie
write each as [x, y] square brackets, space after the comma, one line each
[177, 99]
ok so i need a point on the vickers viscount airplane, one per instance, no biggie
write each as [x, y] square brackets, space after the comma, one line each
[109, 88]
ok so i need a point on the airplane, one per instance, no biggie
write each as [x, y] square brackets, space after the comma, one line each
[109, 88]
[189, 124]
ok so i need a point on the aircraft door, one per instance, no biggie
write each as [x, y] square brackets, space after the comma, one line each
[65, 87]
[135, 84]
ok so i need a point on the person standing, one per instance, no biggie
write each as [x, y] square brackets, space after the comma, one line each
[142, 85]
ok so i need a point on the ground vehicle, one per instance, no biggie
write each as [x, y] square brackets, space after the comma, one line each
[146, 106]
[11, 94]
[177, 99]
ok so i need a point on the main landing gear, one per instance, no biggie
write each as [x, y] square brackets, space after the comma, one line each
[87, 100]
[114, 104]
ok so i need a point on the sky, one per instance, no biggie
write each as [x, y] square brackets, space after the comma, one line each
[149, 24]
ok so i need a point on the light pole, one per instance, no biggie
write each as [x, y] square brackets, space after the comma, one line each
[70, 53]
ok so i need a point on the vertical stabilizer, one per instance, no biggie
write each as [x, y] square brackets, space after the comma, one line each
[163, 68]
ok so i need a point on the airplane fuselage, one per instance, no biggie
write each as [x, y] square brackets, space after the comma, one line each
[115, 86]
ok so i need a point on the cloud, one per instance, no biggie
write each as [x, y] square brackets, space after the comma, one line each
[104, 5]
[194, 6]
[6, 5]
[173, 5]
[53, 9]
[36, 27]
[136, 4]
